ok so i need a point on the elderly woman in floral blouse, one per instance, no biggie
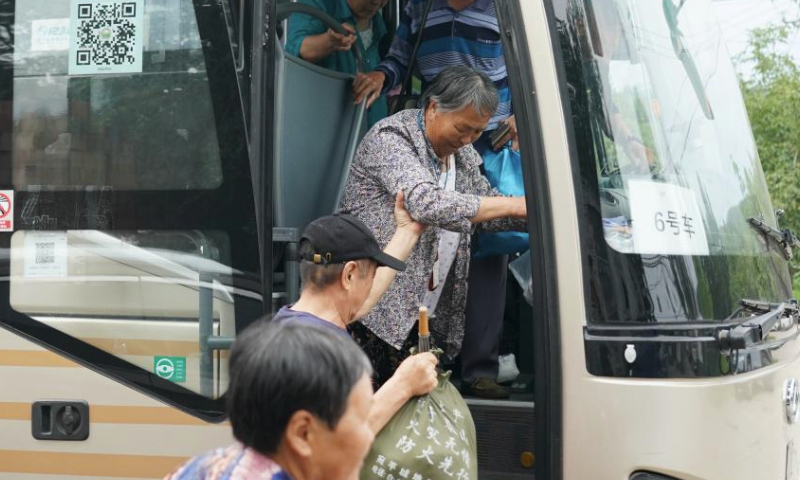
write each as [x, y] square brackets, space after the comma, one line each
[428, 154]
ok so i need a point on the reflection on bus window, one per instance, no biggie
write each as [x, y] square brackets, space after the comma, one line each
[653, 123]
[141, 296]
[669, 168]
[97, 155]
[152, 130]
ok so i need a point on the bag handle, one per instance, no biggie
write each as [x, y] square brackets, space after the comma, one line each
[407, 80]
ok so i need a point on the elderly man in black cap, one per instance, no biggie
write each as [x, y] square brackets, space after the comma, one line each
[344, 273]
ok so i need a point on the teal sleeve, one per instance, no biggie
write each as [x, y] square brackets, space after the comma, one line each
[302, 26]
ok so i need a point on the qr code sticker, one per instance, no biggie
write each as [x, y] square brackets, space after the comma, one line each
[106, 36]
[45, 253]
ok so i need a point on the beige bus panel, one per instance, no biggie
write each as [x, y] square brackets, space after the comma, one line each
[132, 435]
[732, 428]
[139, 342]
[107, 277]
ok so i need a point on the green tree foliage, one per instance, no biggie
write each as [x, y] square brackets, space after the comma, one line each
[772, 98]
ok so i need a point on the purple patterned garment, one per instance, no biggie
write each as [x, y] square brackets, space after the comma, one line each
[394, 155]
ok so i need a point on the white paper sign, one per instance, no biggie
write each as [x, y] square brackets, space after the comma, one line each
[106, 36]
[45, 254]
[666, 219]
[50, 34]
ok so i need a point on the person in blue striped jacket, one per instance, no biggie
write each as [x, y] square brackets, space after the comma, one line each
[459, 32]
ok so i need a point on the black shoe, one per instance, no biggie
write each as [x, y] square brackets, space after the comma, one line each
[485, 387]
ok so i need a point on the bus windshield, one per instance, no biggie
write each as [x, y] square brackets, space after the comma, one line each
[670, 172]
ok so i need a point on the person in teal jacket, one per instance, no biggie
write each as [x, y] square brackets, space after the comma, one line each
[312, 41]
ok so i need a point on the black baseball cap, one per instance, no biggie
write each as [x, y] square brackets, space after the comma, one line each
[341, 238]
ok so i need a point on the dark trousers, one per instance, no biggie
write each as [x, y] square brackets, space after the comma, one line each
[384, 357]
[483, 330]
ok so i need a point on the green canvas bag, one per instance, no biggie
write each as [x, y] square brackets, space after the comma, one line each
[431, 437]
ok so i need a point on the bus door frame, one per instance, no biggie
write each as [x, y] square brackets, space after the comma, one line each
[262, 20]
[548, 418]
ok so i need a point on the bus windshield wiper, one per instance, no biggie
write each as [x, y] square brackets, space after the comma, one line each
[671, 14]
[755, 329]
[783, 239]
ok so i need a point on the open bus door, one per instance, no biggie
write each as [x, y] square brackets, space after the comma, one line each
[507, 448]
[661, 319]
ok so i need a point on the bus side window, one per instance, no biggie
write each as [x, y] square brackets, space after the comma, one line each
[134, 220]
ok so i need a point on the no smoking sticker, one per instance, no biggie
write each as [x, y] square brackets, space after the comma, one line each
[6, 210]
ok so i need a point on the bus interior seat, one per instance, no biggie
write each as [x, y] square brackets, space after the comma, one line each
[311, 140]
[317, 128]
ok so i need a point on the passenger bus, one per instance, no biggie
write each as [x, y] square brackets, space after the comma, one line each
[158, 159]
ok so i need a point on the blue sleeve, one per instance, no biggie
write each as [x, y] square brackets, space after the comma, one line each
[302, 26]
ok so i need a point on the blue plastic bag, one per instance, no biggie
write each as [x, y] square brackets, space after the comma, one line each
[504, 172]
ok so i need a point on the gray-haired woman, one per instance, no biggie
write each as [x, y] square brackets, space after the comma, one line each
[428, 154]
[299, 401]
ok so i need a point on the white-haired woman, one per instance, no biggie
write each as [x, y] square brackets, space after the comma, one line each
[428, 154]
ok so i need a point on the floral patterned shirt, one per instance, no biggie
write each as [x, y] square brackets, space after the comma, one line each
[395, 155]
[235, 462]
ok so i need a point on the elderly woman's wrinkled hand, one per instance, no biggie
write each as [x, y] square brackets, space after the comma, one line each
[369, 86]
[339, 42]
[512, 122]
[512, 134]
[403, 218]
